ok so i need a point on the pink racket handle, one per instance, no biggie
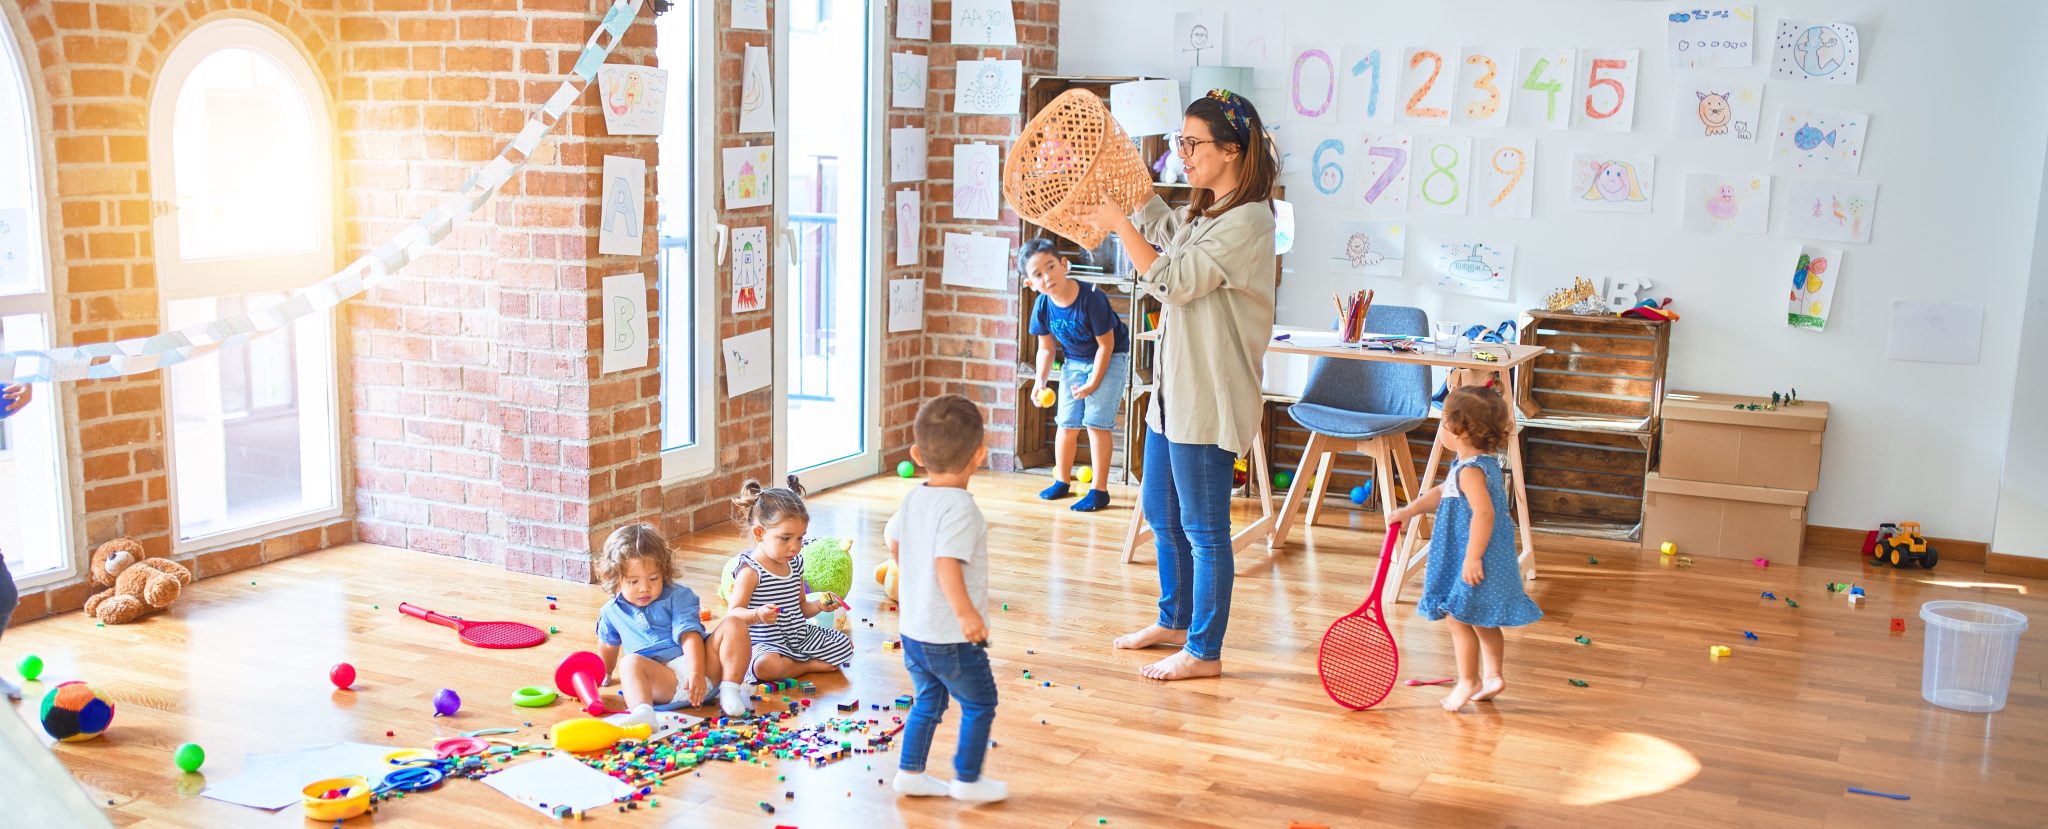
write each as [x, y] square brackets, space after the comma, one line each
[1379, 577]
[431, 616]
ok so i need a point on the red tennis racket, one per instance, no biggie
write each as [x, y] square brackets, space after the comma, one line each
[483, 634]
[1358, 660]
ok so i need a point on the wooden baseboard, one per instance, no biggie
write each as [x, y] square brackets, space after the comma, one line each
[2006, 564]
[1836, 538]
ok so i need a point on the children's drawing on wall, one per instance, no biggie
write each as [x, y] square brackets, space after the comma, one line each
[1825, 52]
[977, 185]
[749, 269]
[1330, 169]
[1257, 40]
[976, 261]
[1505, 184]
[749, 361]
[1283, 227]
[1311, 81]
[1197, 41]
[1813, 287]
[1146, 107]
[625, 322]
[1935, 332]
[1717, 110]
[984, 22]
[757, 92]
[906, 305]
[749, 176]
[1367, 248]
[1543, 95]
[1820, 140]
[906, 154]
[908, 70]
[1614, 184]
[1607, 84]
[634, 98]
[1727, 203]
[1481, 101]
[914, 19]
[1443, 174]
[625, 207]
[1482, 269]
[750, 14]
[1705, 37]
[909, 226]
[989, 87]
[1383, 187]
[1838, 211]
[1425, 87]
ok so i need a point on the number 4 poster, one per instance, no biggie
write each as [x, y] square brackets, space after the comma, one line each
[1542, 96]
[1607, 83]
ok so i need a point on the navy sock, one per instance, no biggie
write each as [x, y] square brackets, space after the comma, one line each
[1057, 491]
[1095, 499]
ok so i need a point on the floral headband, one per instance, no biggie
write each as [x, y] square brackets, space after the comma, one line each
[1235, 110]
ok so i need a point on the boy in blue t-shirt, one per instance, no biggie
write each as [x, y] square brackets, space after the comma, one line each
[1077, 318]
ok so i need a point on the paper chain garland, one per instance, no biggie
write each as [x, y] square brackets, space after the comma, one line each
[140, 355]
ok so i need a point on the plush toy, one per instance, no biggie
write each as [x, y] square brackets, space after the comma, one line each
[885, 575]
[834, 619]
[136, 584]
[828, 565]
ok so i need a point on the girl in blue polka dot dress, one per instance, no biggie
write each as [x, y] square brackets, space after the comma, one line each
[1473, 574]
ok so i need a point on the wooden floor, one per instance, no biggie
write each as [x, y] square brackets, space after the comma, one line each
[1826, 698]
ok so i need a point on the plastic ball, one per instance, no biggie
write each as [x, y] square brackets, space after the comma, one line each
[1283, 479]
[342, 675]
[189, 757]
[1360, 493]
[1084, 474]
[73, 711]
[905, 469]
[31, 667]
[446, 703]
[1047, 397]
[1668, 548]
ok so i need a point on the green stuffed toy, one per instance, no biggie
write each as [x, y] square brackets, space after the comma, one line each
[828, 566]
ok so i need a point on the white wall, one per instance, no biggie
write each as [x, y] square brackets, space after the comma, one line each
[1957, 131]
[2022, 522]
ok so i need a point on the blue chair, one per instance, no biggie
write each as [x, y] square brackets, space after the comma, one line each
[1362, 406]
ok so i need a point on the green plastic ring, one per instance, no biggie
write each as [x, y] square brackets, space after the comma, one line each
[533, 696]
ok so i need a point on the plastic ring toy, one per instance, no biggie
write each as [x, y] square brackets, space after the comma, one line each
[352, 798]
[411, 757]
[460, 747]
[533, 696]
[411, 779]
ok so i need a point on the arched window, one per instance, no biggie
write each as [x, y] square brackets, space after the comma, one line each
[35, 513]
[242, 168]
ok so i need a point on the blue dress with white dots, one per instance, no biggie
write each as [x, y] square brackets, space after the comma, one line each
[1498, 599]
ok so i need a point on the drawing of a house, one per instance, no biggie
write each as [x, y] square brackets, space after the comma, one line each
[747, 183]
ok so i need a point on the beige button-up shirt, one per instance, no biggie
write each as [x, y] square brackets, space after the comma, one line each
[1215, 281]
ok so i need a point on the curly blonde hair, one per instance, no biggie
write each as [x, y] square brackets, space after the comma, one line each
[641, 541]
[756, 506]
[1478, 414]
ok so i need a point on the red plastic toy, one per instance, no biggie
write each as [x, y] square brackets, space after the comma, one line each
[578, 676]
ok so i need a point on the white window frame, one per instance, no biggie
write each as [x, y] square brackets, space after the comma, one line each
[42, 303]
[700, 458]
[178, 279]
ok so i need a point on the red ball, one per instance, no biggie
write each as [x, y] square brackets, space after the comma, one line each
[342, 675]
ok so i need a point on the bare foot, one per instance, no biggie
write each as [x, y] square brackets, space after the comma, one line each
[1151, 637]
[1461, 693]
[1182, 665]
[1490, 688]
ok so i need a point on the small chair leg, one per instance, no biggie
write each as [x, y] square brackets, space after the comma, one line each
[1322, 486]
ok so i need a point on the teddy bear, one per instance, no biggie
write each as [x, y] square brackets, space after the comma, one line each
[136, 584]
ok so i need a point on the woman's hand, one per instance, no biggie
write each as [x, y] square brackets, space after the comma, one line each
[1474, 572]
[1108, 216]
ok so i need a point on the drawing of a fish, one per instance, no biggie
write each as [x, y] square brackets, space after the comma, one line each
[1809, 137]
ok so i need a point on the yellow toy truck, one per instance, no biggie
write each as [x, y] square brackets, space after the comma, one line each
[1901, 545]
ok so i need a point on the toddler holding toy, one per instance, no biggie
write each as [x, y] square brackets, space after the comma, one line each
[1075, 318]
[1473, 576]
[768, 589]
[668, 658]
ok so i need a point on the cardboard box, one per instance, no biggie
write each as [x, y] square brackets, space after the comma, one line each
[1705, 438]
[1723, 520]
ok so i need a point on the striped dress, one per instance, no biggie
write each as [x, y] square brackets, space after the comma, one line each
[791, 635]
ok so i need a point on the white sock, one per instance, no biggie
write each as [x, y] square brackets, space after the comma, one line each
[732, 699]
[979, 791]
[9, 689]
[919, 784]
[642, 713]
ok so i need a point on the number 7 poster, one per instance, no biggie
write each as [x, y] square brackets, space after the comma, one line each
[1607, 83]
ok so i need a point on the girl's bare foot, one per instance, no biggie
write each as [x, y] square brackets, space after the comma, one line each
[1490, 688]
[1182, 665]
[1461, 693]
[1151, 637]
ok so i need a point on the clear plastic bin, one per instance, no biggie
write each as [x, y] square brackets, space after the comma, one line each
[1970, 651]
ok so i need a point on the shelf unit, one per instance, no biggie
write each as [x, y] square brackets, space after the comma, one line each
[1590, 411]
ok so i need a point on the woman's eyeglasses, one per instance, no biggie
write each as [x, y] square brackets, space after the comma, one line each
[1188, 145]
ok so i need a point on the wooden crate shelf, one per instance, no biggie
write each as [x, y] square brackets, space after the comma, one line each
[1590, 413]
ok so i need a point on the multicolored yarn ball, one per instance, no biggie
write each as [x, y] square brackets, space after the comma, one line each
[74, 712]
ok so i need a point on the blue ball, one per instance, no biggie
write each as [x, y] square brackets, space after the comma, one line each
[1360, 493]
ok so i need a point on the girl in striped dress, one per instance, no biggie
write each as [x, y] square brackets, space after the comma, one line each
[768, 589]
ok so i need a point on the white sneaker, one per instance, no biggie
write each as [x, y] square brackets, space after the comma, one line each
[919, 784]
[9, 689]
[638, 715]
[979, 791]
[732, 699]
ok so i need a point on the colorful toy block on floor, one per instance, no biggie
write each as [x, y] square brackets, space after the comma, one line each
[903, 701]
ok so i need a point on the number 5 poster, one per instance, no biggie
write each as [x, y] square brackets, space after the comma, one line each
[1607, 80]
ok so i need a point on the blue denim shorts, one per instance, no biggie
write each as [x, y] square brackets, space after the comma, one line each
[1098, 410]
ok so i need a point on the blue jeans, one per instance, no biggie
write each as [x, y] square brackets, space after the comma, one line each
[935, 670]
[1186, 495]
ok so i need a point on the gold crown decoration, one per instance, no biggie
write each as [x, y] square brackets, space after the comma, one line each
[1564, 298]
[1071, 157]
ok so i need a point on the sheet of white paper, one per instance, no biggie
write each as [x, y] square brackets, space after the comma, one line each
[749, 269]
[1382, 171]
[1484, 269]
[1505, 179]
[1257, 39]
[1820, 140]
[1717, 203]
[977, 182]
[1147, 107]
[558, 779]
[1427, 81]
[986, 22]
[906, 305]
[635, 98]
[1607, 90]
[625, 322]
[1812, 51]
[750, 14]
[757, 91]
[989, 87]
[1717, 109]
[1935, 332]
[1329, 167]
[909, 226]
[1312, 81]
[1367, 248]
[1543, 96]
[625, 207]
[1365, 85]
[749, 361]
[976, 261]
[274, 781]
[1198, 39]
[1612, 183]
[16, 238]
[914, 19]
[906, 154]
[1815, 271]
[908, 71]
[1705, 37]
[1443, 174]
[1838, 211]
[749, 176]
[1283, 227]
[1484, 76]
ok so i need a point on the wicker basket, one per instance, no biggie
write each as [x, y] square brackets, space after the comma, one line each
[1070, 158]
